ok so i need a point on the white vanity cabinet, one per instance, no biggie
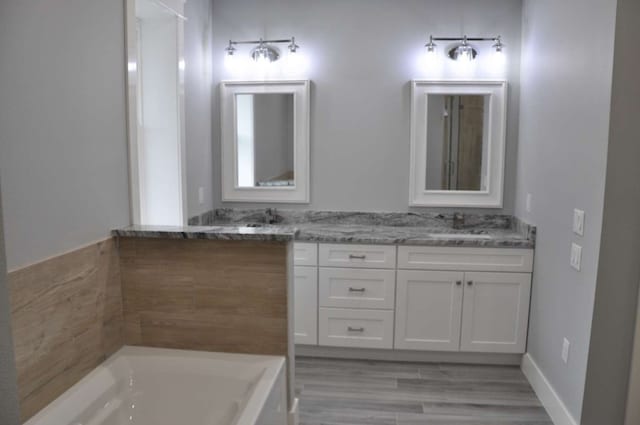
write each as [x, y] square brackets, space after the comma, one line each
[412, 297]
[495, 312]
[305, 301]
[463, 310]
[428, 310]
[357, 288]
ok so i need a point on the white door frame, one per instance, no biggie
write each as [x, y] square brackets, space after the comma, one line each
[132, 91]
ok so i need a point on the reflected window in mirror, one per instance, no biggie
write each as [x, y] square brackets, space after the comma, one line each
[457, 142]
[264, 126]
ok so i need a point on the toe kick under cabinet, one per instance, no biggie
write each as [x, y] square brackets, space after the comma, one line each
[412, 297]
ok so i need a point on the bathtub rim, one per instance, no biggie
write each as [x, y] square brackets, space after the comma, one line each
[273, 366]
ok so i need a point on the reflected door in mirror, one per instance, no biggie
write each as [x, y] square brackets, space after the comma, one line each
[265, 139]
[457, 142]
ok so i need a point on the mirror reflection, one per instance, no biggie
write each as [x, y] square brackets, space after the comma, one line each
[264, 131]
[457, 147]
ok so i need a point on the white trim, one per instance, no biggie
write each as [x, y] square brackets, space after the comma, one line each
[294, 413]
[131, 78]
[493, 196]
[132, 73]
[550, 400]
[408, 355]
[296, 194]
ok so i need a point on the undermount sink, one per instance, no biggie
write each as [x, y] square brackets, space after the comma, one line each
[459, 236]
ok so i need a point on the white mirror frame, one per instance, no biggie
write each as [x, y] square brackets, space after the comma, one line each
[492, 196]
[231, 192]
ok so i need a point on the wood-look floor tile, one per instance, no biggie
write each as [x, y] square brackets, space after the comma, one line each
[341, 392]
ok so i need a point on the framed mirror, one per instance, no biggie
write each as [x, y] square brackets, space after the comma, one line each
[457, 143]
[265, 141]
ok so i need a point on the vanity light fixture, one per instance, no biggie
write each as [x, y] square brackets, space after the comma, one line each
[265, 51]
[462, 50]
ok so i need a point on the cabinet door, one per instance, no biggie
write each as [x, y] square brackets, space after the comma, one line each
[305, 305]
[495, 312]
[428, 310]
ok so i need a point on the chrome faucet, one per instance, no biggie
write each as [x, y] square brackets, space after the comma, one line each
[270, 216]
[458, 220]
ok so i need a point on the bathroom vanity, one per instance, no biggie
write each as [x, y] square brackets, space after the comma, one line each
[404, 281]
[412, 297]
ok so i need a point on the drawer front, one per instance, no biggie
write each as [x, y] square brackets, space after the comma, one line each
[341, 327]
[465, 259]
[305, 254]
[358, 256]
[357, 288]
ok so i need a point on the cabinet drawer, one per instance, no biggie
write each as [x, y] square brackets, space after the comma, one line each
[357, 288]
[356, 328]
[359, 256]
[465, 259]
[305, 254]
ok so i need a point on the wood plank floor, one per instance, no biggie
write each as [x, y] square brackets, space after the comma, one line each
[353, 392]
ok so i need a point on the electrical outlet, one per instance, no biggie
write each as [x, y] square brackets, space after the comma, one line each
[578, 222]
[576, 256]
[201, 195]
[565, 350]
[529, 202]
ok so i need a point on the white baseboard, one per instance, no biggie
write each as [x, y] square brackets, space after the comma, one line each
[550, 400]
[294, 417]
[408, 355]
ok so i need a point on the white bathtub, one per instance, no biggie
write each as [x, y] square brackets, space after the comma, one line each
[152, 386]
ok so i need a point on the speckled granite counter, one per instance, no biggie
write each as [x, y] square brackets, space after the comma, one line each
[226, 233]
[429, 229]
[411, 235]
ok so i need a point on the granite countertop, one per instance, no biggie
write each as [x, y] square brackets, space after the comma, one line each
[224, 233]
[428, 229]
[412, 235]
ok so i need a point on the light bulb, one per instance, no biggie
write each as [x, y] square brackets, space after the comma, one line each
[498, 54]
[499, 58]
[465, 53]
[230, 61]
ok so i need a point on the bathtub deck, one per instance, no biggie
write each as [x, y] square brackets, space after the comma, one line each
[341, 392]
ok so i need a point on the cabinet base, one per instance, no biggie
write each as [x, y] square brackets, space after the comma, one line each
[408, 356]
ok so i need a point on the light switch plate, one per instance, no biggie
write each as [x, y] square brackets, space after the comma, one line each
[529, 202]
[576, 256]
[578, 222]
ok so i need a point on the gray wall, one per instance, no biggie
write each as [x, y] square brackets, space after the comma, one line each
[198, 86]
[63, 152]
[363, 54]
[612, 330]
[562, 154]
[9, 414]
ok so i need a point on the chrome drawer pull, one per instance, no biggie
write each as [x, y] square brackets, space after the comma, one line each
[357, 289]
[357, 257]
[350, 329]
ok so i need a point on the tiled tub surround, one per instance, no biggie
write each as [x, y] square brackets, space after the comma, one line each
[209, 295]
[67, 319]
[429, 229]
[217, 295]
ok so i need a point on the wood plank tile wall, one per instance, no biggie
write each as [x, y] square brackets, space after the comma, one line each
[66, 319]
[205, 295]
